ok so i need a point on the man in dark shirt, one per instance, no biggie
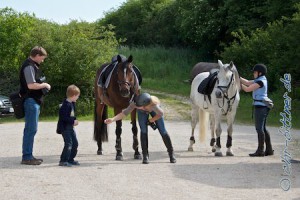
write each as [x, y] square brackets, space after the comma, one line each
[32, 89]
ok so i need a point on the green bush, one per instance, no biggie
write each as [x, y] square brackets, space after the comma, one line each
[164, 69]
[268, 46]
[75, 52]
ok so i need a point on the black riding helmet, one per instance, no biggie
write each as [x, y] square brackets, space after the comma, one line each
[143, 99]
[260, 68]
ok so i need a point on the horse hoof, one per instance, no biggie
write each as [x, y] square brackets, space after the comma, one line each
[229, 154]
[119, 158]
[218, 154]
[138, 157]
[190, 149]
[99, 153]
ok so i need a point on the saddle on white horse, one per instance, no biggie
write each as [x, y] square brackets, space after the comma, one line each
[207, 85]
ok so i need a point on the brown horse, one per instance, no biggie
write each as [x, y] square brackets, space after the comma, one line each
[202, 67]
[122, 87]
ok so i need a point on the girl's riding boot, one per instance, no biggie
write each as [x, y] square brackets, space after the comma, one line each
[260, 150]
[269, 150]
[168, 143]
[144, 143]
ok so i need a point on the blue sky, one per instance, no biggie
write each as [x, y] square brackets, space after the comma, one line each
[62, 11]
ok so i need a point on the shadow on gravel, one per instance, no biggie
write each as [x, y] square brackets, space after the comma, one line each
[52, 162]
[86, 160]
[238, 175]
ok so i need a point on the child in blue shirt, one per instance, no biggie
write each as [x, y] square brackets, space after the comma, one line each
[65, 126]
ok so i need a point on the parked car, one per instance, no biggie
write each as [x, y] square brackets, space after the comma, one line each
[6, 108]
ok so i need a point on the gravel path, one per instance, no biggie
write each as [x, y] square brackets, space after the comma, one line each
[196, 175]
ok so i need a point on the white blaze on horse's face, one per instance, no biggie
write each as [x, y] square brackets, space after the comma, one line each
[225, 77]
[125, 78]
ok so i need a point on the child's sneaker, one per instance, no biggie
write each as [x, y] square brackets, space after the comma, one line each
[74, 162]
[65, 164]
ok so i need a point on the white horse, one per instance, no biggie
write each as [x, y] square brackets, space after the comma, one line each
[223, 101]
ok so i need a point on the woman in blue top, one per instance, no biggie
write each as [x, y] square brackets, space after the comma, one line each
[259, 87]
[147, 105]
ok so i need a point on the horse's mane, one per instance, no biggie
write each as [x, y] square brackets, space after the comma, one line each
[237, 77]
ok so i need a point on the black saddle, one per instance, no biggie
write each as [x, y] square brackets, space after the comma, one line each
[207, 85]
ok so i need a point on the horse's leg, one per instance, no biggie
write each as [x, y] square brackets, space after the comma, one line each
[119, 155]
[218, 134]
[212, 131]
[230, 120]
[134, 129]
[194, 121]
[100, 150]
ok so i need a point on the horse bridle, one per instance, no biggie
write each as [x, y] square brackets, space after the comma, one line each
[124, 82]
[225, 96]
[127, 83]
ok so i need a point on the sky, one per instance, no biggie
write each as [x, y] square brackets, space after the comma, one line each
[63, 11]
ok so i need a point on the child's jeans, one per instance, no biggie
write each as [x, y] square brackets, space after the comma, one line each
[71, 144]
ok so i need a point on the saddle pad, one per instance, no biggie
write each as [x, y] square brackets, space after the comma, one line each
[138, 74]
[207, 85]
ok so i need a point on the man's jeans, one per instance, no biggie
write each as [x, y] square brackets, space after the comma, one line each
[143, 119]
[71, 144]
[32, 111]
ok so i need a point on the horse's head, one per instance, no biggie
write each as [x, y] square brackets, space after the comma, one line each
[125, 75]
[227, 77]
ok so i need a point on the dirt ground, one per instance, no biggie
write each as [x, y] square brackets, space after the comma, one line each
[196, 175]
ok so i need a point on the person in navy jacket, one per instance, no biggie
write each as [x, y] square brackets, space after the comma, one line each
[65, 126]
[261, 103]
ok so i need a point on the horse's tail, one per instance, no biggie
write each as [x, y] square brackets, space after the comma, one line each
[203, 122]
[100, 128]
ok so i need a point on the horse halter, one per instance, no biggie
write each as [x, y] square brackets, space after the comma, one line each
[126, 87]
[124, 82]
[224, 90]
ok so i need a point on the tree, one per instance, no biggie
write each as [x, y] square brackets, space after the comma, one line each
[274, 46]
[75, 52]
[143, 22]
[15, 28]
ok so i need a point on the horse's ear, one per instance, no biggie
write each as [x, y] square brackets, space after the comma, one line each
[119, 58]
[220, 63]
[130, 58]
[231, 65]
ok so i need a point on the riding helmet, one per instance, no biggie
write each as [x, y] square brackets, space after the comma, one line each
[115, 58]
[260, 68]
[143, 99]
